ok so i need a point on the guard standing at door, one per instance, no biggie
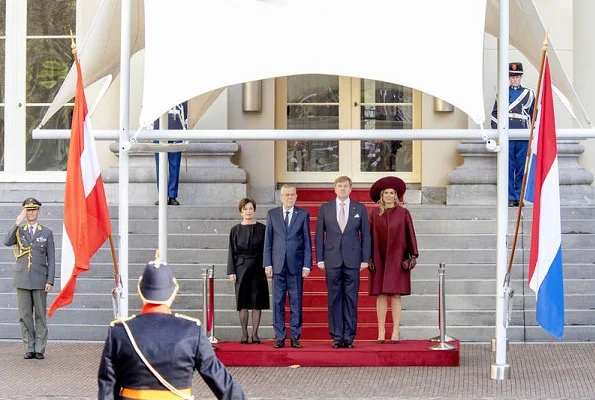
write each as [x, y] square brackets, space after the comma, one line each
[521, 101]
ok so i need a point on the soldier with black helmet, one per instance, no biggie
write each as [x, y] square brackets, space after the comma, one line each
[33, 278]
[154, 355]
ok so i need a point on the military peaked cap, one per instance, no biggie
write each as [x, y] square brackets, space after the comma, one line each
[31, 204]
[515, 69]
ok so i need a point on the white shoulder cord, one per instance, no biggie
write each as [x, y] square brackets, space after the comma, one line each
[153, 370]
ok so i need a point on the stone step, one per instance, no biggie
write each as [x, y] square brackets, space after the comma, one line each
[422, 271]
[476, 333]
[219, 256]
[433, 212]
[424, 240]
[456, 226]
[193, 301]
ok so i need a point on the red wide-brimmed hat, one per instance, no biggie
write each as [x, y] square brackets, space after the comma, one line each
[388, 182]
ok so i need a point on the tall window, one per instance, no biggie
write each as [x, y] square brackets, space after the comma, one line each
[48, 59]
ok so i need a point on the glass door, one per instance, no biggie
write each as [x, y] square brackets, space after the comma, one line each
[334, 102]
[383, 105]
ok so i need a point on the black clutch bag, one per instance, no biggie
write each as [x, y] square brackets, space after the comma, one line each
[409, 263]
[371, 266]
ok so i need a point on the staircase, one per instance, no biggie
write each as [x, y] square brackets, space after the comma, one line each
[462, 237]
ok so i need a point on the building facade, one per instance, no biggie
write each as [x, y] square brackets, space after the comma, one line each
[35, 46]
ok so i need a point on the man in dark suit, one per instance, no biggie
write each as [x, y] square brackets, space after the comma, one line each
[288, 260]
[343, 246]
[34, 270]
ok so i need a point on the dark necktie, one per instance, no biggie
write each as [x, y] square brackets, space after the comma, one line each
[31, 231]
[287, 219]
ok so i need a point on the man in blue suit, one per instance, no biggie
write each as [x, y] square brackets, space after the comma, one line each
[343, 247]
[288, 260]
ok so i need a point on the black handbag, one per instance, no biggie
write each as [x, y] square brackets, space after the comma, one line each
[409, 263]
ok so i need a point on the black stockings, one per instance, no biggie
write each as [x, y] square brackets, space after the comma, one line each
[256, 314]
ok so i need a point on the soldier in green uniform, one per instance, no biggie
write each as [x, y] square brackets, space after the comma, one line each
[34, 270]
[154, 355]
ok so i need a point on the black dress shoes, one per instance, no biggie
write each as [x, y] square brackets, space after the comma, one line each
[39, 356]
[279, 344]
[171, 201]
[295, 343]
[29, 355]
[337, 345]
[513, 203]
[347, 345]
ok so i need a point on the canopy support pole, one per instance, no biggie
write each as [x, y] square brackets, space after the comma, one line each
[500, 370]
[123, 172]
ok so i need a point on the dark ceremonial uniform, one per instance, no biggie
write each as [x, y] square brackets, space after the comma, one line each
[172, 345]
[521, 102]
[176, 119]
[175, 345]
[35, 265]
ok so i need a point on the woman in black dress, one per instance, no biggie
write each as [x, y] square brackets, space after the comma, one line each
[245, 269]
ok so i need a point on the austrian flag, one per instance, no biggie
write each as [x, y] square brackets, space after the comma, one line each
[86, 217]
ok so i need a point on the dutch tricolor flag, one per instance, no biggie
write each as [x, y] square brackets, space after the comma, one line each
[543, 189]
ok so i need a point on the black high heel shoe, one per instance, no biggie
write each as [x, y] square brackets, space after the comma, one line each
[244, 341]
[255, 341]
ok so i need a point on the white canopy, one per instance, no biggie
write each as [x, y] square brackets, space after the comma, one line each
[246, 40]
[367, 47]
[99, 55]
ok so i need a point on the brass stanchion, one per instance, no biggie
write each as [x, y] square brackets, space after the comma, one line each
[442, 338]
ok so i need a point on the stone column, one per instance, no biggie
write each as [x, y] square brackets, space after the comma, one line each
[207, 176]
[474, 182]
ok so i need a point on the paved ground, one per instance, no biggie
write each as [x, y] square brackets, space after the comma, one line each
[539, 371]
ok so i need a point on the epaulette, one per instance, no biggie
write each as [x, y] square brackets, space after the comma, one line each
[120, 320]
[188, 318]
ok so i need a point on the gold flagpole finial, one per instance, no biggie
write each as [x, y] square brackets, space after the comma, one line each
[72, 43]
[546, 40]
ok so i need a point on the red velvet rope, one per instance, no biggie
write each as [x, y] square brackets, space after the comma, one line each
[211, 310]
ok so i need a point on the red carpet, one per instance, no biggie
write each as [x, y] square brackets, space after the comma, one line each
[320, 354]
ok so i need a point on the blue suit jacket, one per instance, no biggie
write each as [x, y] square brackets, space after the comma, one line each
[350, 247]
[293, 245]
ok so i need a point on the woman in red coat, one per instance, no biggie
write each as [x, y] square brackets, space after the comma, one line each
[393, 241]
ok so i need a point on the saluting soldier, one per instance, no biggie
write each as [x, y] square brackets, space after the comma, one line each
[521, 102]
[154, 355]
[34, 270]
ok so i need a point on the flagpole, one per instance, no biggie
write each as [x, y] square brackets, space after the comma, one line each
[500, 369]
[527, 158]
[114, 260]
